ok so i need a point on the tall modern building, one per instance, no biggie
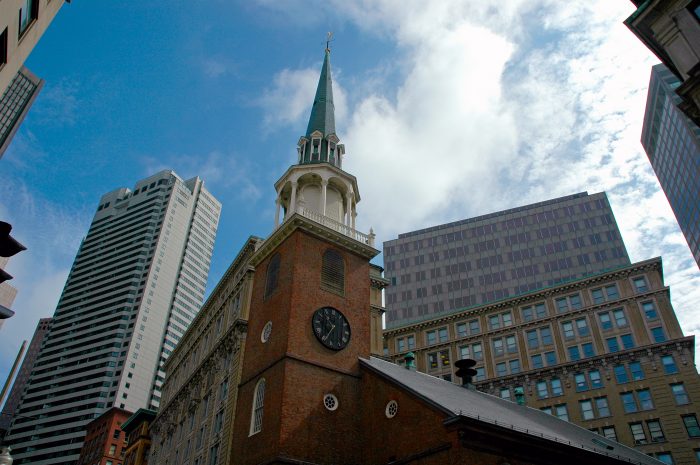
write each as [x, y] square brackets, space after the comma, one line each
[445, 268]
[22, 23]
[8, 410]
[672, 143]
[136, 284]
[671, 30]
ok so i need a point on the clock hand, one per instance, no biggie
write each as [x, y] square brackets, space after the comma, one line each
[329, 333]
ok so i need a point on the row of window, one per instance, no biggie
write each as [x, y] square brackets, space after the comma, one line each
[615, 319]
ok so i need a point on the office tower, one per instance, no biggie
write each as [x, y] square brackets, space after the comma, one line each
[671, 30]
[672, 143]
[136, 284]
[22, 23]
[448, 267]
[8, 410]
[605, 352]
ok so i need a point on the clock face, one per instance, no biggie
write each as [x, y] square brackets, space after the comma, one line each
[331, 328]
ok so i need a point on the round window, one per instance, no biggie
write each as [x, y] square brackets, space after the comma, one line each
[392, 409]
[330, 402]
[266, 332]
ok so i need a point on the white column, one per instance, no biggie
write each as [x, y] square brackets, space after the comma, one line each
[354, 215]
[348, 208]
[293, 201]
[324, 188]
[277, 211]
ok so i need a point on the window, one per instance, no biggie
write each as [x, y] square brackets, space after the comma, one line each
[218, 421]
[581, 382]
[691, 425]
[620, 320]
[480, 374]
[539, 336]
[550, 358]
[582, 327]
[601, 404]
[501, 369]
[514, 366]
[603, 294]
[542, 390]
[474, 352]
[561, 412]
[333, 272]
[640, 284]
[586, 409]
[257, 414]
[649, 310]
[411, 341]
[613, 345]
[645, 401]
[657, 334]
[400, 345]
[574, 353]
[596, 381]
[433, 360]
[638, 433]
[500, 320]
[534, 311]
[461, 329]
[588, 350]
[442, 335]
[620, 374]
[665, 457]
[656, 434]
[474, 327]
[605, 322]
[609, 432]
[636, 370]
[627, 341]
[116, 434]
[498, 346]
[505, 393]
[536, 361]
[27, 14]
[680, 394]
[557, 389]
[568, 329]
[214, 454]
[629, 404]
[445, 358]
[273, 270]
[431, 337]
[669, 364]
[564, 304]
[494, 322]
[112, 449]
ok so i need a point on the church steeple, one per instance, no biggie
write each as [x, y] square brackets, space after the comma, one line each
[320, 143]
[323, 111]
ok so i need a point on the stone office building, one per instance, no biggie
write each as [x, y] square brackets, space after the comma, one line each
[443, 268]
[605, 352]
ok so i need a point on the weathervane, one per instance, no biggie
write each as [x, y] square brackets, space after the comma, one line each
[329, 39]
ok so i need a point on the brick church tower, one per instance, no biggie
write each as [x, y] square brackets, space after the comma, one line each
[299, 398]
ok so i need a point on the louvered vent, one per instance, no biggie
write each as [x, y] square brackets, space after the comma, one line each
[333, 272]
[273, 271]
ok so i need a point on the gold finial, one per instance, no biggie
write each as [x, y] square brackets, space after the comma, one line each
[329, 39]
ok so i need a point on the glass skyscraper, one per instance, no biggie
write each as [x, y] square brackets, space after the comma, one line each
[136, 284]
[672, 143]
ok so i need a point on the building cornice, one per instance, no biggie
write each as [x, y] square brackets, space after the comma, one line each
[583, 283]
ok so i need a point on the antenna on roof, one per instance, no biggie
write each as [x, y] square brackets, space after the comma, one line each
[329, 39]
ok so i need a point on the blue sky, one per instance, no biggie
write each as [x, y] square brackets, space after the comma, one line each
[448, 109]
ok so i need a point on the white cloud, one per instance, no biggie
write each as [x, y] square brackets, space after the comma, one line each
[500, 104]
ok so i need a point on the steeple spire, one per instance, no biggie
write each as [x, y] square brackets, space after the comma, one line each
[323, 111]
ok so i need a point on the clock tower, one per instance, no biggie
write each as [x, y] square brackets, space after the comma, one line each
[299, 399]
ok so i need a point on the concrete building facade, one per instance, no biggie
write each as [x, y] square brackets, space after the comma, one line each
[445, 268]
[13, 399]
[136, 284]
[605, 352]
[22, 23]
[672, 143]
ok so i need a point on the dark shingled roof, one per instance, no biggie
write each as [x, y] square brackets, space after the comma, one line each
[323, 111]
[457, 401]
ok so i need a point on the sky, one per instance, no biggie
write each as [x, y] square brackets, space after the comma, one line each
[448, 109]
